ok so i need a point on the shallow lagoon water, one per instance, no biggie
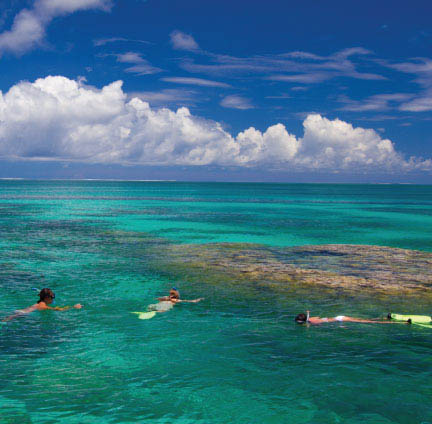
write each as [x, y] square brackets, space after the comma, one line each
[237, 356]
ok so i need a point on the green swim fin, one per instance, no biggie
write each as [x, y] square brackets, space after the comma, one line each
[415, 319]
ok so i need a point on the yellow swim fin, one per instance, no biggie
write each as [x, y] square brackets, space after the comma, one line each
[145, 315]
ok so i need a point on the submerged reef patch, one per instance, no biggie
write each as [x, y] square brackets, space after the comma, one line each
[350, 268]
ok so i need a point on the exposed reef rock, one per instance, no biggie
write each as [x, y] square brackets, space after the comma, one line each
[383, 270]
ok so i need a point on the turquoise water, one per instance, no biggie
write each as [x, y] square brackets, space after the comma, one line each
[229, 359]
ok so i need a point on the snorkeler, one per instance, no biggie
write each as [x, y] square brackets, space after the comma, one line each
[46, 297]
[167, 302]
[306, 319]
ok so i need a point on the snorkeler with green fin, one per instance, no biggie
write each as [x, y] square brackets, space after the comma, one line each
[46, 298]
[165, 304]
[391, 319]
[307, 319]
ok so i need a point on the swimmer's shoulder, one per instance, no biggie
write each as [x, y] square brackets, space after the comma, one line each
[41, 306]
[317, 320]
[31, 308]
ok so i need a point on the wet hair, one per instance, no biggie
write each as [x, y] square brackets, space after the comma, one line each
[300, 319]
[44, 293]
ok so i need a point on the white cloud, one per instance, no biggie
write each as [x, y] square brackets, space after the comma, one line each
[28, 28]
[56, 118]
[59, 7]
[335, 144]
[422, 68]
[301, 67]
[280, 96]
[182, 41]
[140, 66]
[422, 103]
[275, 146]
[102, 41]
[27, 31]
[311, 78]
[196, 81]
[168, 97]
[236, 102]
[378, 102]
[129, 57]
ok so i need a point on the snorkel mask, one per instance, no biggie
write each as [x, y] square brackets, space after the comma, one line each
[177, 295]
[38, 290]
[302, 318]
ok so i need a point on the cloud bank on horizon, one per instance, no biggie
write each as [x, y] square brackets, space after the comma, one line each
[183, 96]
[56, 118]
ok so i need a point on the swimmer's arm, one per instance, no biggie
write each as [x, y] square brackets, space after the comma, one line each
[64, 308]
[31, 309]
[10, 317]
[316, 320]
[190, 301]
[161, 299]
[58, 308]
[20, 313]
[313, 320]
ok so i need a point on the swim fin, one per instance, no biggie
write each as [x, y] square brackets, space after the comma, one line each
[145, 315]
[415, 319]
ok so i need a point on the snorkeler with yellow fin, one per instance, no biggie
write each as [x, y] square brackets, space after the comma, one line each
[165, 304]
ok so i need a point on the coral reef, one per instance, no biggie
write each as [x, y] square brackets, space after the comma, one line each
[350, 268]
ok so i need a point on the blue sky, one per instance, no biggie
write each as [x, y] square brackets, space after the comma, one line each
[216, 90]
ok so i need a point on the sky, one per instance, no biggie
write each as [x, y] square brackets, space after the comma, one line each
[311, 91]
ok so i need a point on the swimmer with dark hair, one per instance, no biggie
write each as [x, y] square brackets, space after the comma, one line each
[46, 297]
[306, 319]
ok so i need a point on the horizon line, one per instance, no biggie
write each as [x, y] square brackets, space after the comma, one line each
[206, 181]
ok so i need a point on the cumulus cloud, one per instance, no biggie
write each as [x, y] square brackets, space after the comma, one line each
[182, 41]
[338, 145]
[56, 118]
[28, 28]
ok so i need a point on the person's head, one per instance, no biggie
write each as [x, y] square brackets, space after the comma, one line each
[301, 319]
[46, 295]
[174, 293]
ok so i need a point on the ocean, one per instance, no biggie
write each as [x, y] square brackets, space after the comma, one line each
[235, 357]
